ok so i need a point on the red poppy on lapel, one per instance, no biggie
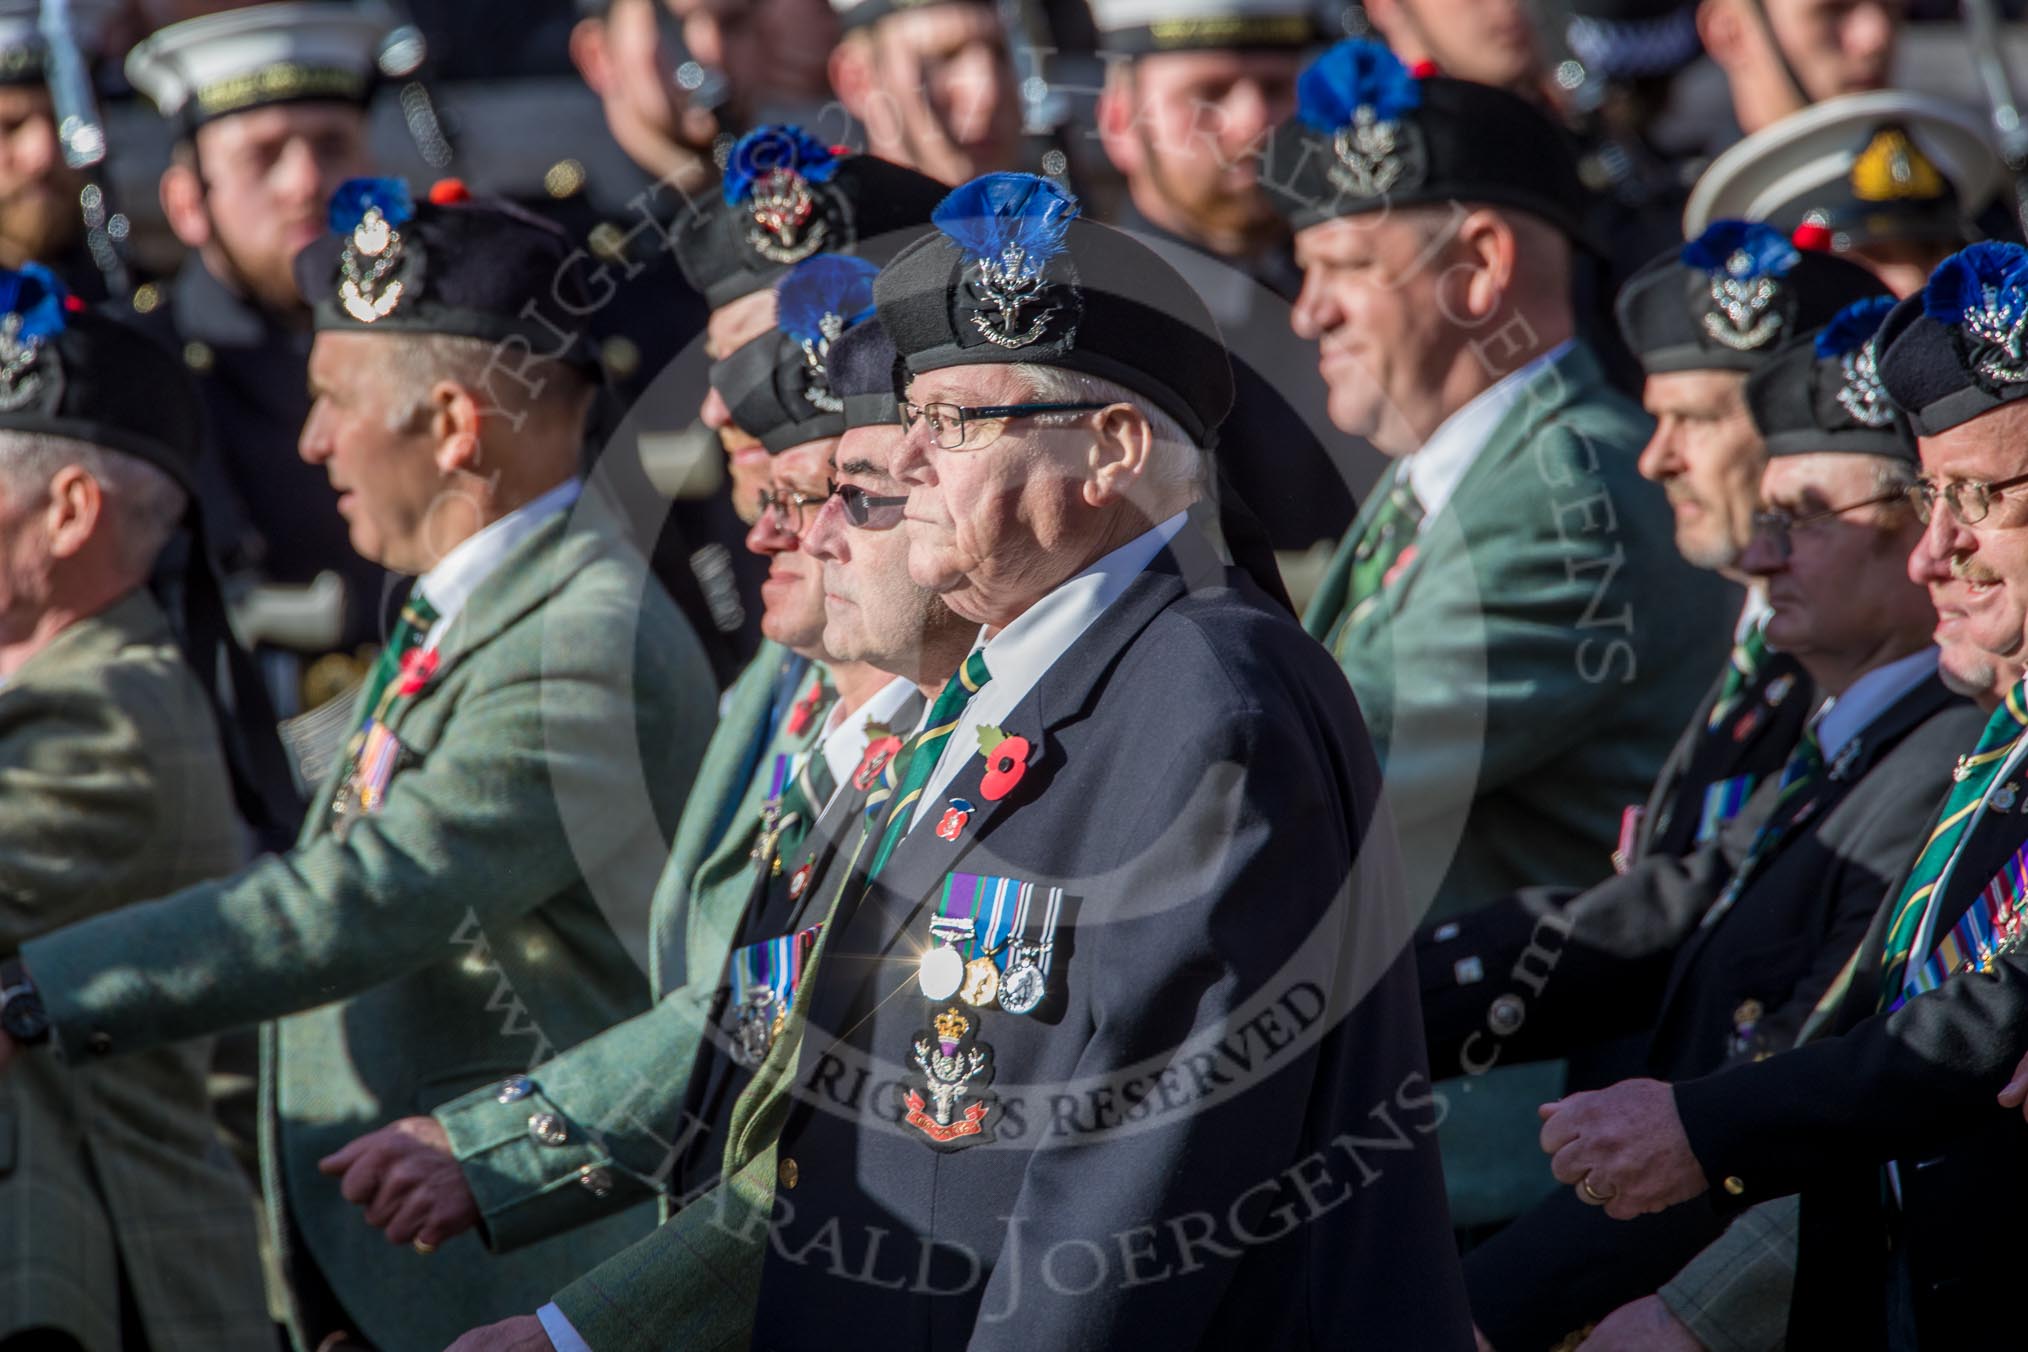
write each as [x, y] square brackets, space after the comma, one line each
[806, 709]
[879, 751]
[954, 819]
[1006, 762]
[417, 666]
[1398, 567]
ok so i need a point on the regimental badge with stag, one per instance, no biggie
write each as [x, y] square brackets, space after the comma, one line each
[950, 1062]
[1744, 313]
[787, 227]
[1006, 286]
[1376, 154]
[20, 380]
[1998, 327]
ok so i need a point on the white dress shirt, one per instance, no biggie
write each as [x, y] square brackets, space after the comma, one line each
[1844, 717]
[459, 573]
[1019, 654]
[1436, 469]
[845, 740]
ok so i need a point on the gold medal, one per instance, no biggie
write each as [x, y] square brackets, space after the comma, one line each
[982, 982]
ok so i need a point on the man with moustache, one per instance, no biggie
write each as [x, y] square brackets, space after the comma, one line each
[1761, 920]
[932, 85]
[642, 1108]
[1498, 605]
[1135, 698]
[1708, 456]
[1885, 1125]
[1192, 89]
[445, 913]
[269, 108]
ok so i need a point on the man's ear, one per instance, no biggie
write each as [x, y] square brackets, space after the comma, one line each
[182, 195]
[1116, 116]
[1721, 28]
[76, 502]
[1490, 252]
[1122, 445]
[456, 420]
[588, 54]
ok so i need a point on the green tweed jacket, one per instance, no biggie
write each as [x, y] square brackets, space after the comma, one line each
[623, 1091]
[1525, 675]
[457, 936]
[113, 790]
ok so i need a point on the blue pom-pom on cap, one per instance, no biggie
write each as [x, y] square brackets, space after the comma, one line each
[1989, 276]
[1852, 326]
[826, 284]
[997, 212]
[34, 293]
[777, 145]
[1768, 252]
[355, 196]
[1354, 74]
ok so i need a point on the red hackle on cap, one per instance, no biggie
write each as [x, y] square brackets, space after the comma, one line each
[1813, 236]
[1424, 68]
[448, 192]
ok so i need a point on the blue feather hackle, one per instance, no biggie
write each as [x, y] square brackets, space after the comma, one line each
[1769, 253]
[1355, 74]
[1852, 326]
[998, 213]
[826, 284]
[1987, 276]
[38, 297]
[777, 145]
[349, 204]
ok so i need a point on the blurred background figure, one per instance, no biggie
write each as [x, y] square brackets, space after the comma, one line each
[41, 217]
[1491, 42]
[932, 85]
[1895, 181]
[1192, 90]
[268, 105]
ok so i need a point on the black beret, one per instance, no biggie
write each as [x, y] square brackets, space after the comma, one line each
[1959, 347]
[1370, 134]
[865, 372]
[449, 265]
[1729, 299]
[1822, 392]
[787, 196]
[68, 371]
[778, 386]
[1012, 276]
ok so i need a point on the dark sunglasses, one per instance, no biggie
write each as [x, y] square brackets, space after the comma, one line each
[868, 512]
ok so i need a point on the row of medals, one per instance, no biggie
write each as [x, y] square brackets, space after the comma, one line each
[942, 973]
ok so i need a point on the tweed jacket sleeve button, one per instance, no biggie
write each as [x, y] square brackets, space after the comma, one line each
[790, 1173]
[549, 1129]
[515, 1089]
[1735, 1185]
[596, 1180]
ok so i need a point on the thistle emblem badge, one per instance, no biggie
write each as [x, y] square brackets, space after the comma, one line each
[950, 1060]
[20, 381]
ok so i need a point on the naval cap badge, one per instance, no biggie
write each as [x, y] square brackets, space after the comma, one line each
[1010, 227]
[1981, 293]
[770, 172]
[1849, 338]
[815, 304]
[1358, 94]
[370, 213]
[1744, 264]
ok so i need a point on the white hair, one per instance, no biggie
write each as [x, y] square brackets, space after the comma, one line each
[414, 363]
[145, 504]
[1174, 460]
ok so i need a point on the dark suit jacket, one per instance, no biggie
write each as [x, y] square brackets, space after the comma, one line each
[1730, 991]
[1217, 1130]
[1915, 1086]
[1466, 963]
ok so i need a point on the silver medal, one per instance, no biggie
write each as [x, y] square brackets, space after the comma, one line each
[941, 972]
[1022, 985]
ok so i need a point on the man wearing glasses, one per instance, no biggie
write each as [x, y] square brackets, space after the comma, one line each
[1759, 920]
[1887, 1125]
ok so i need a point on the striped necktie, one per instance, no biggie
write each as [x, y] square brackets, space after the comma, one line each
[1801, 778]
[1971, 781]
[920, 757]
[417, 617]
[1748, 656]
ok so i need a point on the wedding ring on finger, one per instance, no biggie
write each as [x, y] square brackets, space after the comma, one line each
[1592, 1195]
[424, 1249]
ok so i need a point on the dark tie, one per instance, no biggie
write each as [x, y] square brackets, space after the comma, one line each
[919, 758]
[417, 616]
[1748, 656]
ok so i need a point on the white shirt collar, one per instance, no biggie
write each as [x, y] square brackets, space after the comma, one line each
[1753, 612]
[458, 574]
[845, 741]
[1030, 645]
[1436, 469]
[1851, 713]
